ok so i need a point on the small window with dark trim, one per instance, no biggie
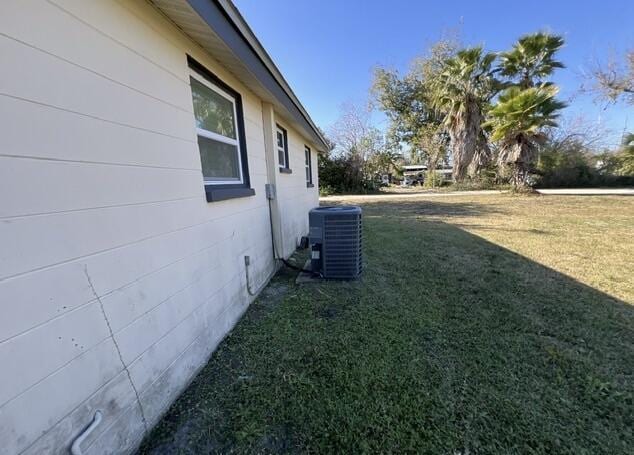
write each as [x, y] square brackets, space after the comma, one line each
[309, 167]
[221, 138]
[281, 142]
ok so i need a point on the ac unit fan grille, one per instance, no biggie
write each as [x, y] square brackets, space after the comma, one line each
[343, 243]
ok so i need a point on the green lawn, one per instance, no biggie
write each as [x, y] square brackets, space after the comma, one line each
[482, 324]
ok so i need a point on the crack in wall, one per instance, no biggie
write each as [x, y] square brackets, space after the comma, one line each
[116, 345]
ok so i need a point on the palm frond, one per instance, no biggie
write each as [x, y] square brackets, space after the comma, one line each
[524, 111]
[532, 58]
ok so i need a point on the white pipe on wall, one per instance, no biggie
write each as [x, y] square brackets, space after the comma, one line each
[75, 449]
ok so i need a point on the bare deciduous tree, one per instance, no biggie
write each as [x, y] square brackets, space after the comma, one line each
[578, 132]
[356, 140]
[612, 81]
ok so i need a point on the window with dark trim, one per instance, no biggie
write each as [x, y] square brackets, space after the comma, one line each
[281, 143]
[309, 167]
[221, 139]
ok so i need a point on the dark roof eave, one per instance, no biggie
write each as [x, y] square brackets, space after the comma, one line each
[225, 20]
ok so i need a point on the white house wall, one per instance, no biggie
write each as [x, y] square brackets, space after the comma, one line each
[117, 278]
[294, 196]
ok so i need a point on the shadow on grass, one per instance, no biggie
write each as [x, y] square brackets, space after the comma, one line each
[406, 209]
[448, 344]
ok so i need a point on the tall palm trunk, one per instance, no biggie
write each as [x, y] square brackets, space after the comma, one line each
[482, 156]
[464, 135]
[518, 153]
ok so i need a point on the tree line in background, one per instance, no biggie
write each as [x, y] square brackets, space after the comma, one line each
[493, 116]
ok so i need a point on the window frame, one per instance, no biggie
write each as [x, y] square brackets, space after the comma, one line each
[308, 157]
[217, 190]
[284, 168]
[219, 137]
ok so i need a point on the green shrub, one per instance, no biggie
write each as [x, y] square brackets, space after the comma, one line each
[433, 179]
[575, 168]
[341, 174]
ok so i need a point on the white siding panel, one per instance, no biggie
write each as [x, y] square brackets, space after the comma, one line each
[162, 265]
[69, 87]
[145, 331]
[34, 242]
[294, 198]
[113, 270]
[89, 139]
[122, 436]
[116, 400]
[57, 186]
[171, 376]
[53, 344]
[137, 27]
[31, 414]
[39, 297]
[127, 279]
[82, 45]
[158, 358]
[252, 108]
[126, 304]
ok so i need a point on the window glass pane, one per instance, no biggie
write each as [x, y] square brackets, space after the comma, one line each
[280, 139]
[219, 160]
[213, 111]
[281, 156]
[309, 177]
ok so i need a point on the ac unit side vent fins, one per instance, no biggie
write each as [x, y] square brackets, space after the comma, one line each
[340, 241]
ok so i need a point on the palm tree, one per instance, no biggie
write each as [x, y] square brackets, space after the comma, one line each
[461, 92]
[532, 59]
[517, 122]
[482, 156]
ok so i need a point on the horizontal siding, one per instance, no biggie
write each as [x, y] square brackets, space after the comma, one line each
[115, 399]
[152, 326]
[112, 185]
[84, 46]
[65, 87]
[93, 140]
[127, 275]
[139, 312]
[71, 236]
[65, 339]
[125, 431]
[294, 198]
[129, 23]
[155, 360]
[125, 305]
[121, 279]
[31, 414]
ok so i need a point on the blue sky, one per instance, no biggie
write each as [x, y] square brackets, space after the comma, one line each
[327, 49]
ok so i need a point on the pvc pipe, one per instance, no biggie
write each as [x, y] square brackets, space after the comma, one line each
[75, 449]
[247, 263]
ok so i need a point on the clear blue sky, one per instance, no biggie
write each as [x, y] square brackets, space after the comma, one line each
[327, 49]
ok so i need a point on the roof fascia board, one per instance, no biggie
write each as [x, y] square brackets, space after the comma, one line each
[219, 19]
